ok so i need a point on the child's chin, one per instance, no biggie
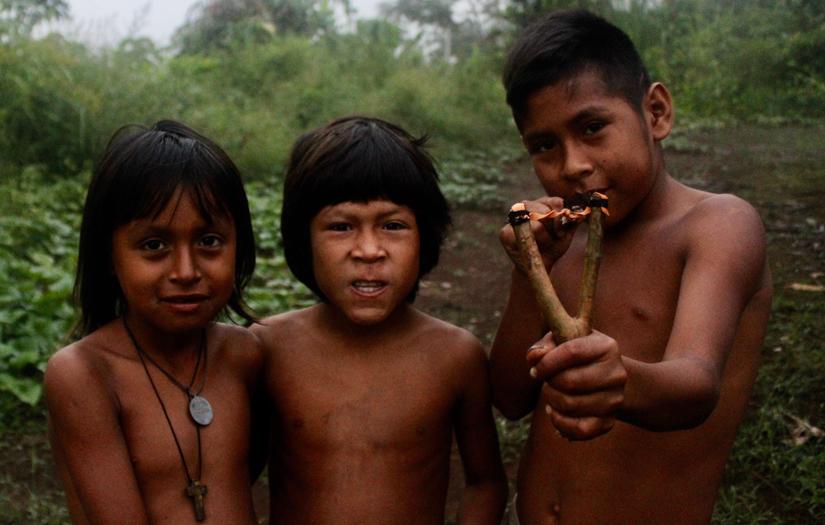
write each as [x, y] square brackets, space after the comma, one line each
[370, 316]
[368, 319]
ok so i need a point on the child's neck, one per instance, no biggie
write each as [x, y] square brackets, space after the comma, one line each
[173, 348]
[366, 336]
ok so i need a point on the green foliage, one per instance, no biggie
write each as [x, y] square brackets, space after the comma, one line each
[273, 289]
[737, 59]
[471, 179]
[38, 235]
[223, 24]
[18, 17]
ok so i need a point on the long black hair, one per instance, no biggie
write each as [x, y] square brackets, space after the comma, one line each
[139, 172]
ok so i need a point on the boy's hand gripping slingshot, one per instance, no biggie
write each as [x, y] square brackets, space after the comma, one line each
[592, 205]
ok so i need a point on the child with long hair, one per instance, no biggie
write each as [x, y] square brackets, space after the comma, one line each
[150, 410]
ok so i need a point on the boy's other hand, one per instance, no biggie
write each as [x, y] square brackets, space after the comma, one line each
[552, 236]
[584, 382]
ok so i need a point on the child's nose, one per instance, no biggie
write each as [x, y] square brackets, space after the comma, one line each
[368, 247]
[184, 266]
[577, 163]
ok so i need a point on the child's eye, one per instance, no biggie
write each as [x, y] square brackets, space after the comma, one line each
[395, 225]
[339, 227]
[211, 241]
[593, 127]
[539, 147]
[153, 245]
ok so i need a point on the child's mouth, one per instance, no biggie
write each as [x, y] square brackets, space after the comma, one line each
[185, 303]
[364, 287]
[182, 299]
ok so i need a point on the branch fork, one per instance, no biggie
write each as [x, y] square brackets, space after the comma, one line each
[590, 206]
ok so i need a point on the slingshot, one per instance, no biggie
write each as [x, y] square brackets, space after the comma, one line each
[592, 206]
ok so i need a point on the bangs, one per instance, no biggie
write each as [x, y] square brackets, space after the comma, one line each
[374, 166]
[359, 159]
[140, 173]
[365, 172]
[166, 166]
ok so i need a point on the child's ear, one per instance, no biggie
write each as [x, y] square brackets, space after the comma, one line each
[658, 108]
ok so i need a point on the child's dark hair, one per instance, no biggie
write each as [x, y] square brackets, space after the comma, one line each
[360, 159]
[139, 172]
[565, 43]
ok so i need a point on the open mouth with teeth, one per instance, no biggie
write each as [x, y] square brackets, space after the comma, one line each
[370, 288]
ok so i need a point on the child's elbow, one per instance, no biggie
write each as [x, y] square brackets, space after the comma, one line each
[685, 407]
[701, 401]
[704, 406]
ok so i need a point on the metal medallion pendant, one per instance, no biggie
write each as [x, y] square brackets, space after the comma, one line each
[200, 410]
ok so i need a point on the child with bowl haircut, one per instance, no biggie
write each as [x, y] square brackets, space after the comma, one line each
[633, 423]
[366, 390]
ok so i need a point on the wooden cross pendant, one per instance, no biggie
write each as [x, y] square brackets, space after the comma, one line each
[197, 490]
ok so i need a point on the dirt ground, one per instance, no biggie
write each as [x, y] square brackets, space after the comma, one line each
[469, 286]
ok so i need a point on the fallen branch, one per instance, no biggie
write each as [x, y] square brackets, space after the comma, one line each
[591, 206]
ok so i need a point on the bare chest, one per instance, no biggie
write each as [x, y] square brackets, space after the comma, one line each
[162, 436]
[357, 407]
[636, 294]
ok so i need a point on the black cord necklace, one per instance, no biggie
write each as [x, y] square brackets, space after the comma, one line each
[194, 488]
[199, 407]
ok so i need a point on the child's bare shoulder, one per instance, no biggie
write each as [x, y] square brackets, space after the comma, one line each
[721, 221]
[726, 222]
[452, 341]
[238, 346]
[715, 206]
[281, 329]
[81, 370]
[724, 235]
[92, 355]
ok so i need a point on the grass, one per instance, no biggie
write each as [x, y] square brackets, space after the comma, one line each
[776, 473]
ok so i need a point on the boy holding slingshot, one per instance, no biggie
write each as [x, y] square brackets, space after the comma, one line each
[678, 309]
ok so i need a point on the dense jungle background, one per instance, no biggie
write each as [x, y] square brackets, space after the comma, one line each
[748, 79]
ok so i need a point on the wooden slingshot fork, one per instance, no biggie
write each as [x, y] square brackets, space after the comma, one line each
[591, 205]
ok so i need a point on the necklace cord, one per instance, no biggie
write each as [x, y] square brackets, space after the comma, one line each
[186, 388]
[141, 355]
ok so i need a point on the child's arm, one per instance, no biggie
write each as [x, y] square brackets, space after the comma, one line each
[259, 432]
[514, 392]
[724, 271]
[485, 493]
[260, 414]
[88, 442]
